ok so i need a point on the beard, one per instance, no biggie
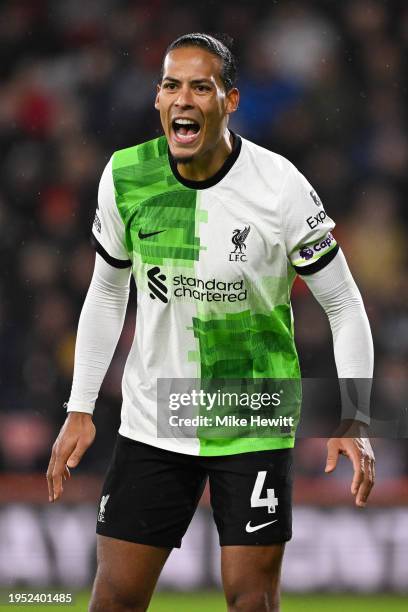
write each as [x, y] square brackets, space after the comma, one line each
[183, 160]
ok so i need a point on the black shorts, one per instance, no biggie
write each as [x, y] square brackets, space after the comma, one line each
[150, 495]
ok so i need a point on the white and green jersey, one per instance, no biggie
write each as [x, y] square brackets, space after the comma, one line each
[214, 262]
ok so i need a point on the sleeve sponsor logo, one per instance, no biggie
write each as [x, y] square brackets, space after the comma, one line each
[314, 220]
[307, 252]
[315, 198]
[97, 221]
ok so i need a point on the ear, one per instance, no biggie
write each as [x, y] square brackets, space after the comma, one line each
[156, 102]
[232, 100]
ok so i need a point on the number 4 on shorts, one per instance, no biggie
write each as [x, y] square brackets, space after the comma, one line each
[270, 500]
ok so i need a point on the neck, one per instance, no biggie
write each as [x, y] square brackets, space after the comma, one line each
[210, 162]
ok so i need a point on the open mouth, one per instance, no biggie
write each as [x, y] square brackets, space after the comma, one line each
[185, 131]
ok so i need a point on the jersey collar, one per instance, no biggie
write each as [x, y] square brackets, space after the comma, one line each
[218, 176]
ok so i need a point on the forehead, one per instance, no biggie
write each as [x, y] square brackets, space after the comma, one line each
[192, 63]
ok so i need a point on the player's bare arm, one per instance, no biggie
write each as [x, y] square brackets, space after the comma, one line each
[75, 437]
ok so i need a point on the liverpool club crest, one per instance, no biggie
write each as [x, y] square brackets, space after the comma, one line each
[238, 240]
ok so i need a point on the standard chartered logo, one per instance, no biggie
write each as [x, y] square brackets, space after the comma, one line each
[211, 290]
[156, 284]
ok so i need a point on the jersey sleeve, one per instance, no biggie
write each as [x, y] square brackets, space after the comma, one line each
[108, 231]
[307, 228]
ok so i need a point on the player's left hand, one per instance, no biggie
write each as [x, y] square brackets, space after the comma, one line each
[361, 454]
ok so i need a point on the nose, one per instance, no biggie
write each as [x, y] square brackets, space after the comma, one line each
[184, 99]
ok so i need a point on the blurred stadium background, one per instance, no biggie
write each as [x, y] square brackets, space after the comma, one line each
[322, 83]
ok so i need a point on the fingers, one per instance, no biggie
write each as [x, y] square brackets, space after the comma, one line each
[367, 484]
[332, 457]
[364, 472]
[76, 435]
[360, 453]
[50, 470]
[77, 454]
[60, 468]
[57, 468]
[82, 445]
[359, 470]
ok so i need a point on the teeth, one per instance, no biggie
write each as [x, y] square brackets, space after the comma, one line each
[184, 122]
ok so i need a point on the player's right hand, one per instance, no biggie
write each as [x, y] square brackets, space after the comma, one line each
[75, 437]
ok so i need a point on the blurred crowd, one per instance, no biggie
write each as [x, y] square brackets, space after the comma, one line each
[322, 83]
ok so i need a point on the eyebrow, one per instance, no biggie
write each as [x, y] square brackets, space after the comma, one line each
[193, 81]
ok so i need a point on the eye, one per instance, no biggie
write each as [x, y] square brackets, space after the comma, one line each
[169, 86]
[202, 88]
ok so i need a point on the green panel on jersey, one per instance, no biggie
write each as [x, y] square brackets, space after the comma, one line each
[246, 345]
[158, 212]
[229, 446]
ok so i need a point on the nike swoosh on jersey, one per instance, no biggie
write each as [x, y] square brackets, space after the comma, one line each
[249, 528]
[141, 235]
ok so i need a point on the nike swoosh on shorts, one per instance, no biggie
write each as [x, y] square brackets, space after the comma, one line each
[249, 528]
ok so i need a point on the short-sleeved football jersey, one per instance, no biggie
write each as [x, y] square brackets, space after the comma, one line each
[214, 262]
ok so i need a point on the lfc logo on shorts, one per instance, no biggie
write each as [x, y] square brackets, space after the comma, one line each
[102, 506]
[238, 240]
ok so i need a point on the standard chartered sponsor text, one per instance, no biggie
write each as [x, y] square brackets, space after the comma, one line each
[207, 400]
[211, 290]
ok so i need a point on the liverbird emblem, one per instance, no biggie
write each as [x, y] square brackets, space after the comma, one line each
[104, 501]
[239, 237]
